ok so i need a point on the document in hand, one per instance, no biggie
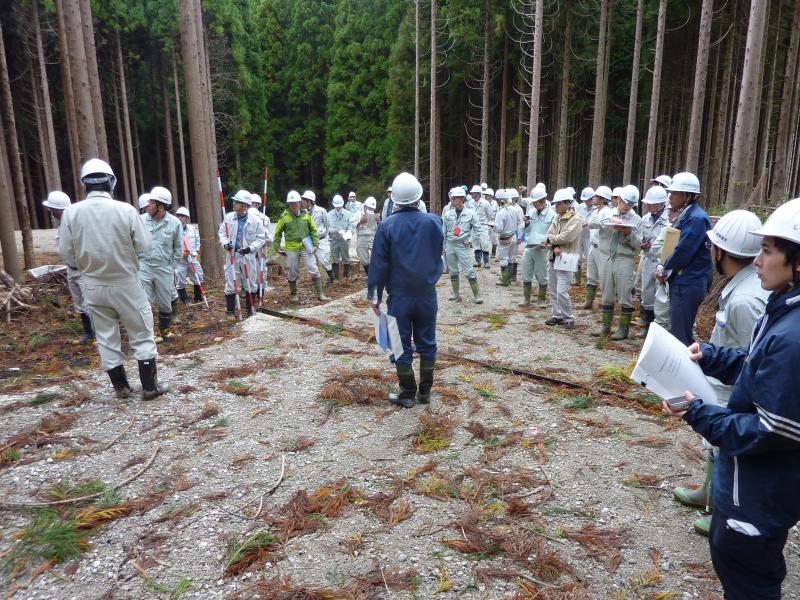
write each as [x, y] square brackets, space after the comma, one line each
[566, 261]
[39, 272]
[347, 235]
[664, 368]
[386, 333]
[308, 243]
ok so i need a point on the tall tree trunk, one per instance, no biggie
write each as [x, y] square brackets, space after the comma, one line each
[780, 186]
[170, 145]
[137, 149]
[633, 101]
[122, 146]
[126, 123]
[181, 147]
[563, 117]
[656, 93]
[84, 112]
[699, 90]
[416, 88]
[536, 82]
[41, 130]
[94, 77]
[487, 52]
[708, 159]
[520, 138]
[69, 100]
[501, 171]
[202, 39]
[744, 137]
[8, 239]
[200, 138]
[28, 191]
[434, 118]
[49, 151]
[762, 165]
[598, 120]
[14, 156]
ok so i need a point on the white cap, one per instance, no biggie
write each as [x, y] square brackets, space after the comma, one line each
[309, 195]
[244, 197]
[784, 222]
[734, 234]
[370, 202]
[655, 195]
[182, 212]
[587, 193]
[57, 200]
[337, 201]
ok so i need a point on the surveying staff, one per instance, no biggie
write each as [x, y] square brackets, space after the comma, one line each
[562, 239]
[462, 229]
[741, 304]
[688, 268]
[188, 267]
[534, 259]
[366, 224]
[653, 223]
[157, 266]
[756, 483]
[242, 235]
[340, 230]
[620, 238]
[101, 238]
[407, 263]
[320, 217]
[596, 259]
[301, 243]
[506, 223]
[56, 203]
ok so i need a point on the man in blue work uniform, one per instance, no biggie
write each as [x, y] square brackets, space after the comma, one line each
[407, 262]
[688, 268]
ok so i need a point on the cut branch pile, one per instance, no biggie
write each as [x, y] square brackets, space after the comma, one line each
[13, 296]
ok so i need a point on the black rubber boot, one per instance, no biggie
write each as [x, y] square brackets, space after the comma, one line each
[183, 295]
[120, 382]
[336, 271]
[647, 317]
[330, 275]
[230, 304]
[165, 326]
[477, 262]
[198, 294]
[514, 272]
[88, 330]
[426, 369]
[408, 386]
[494, 250]
[248, 303]
[485, 260]
[366, 270]
[148, 374]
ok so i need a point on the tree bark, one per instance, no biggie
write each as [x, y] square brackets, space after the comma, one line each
[122, 146]
[126, 124]
[633, 100]
[536, 81]
[598, 120]
[501, 171]
[434, 118]
[780, 187]
[137, 149]
[170, 146]
[708, 160]
[94, 77]
[563, 123]
[416, 89]
[655, 95]
[181, 147]
[69, 100]
[699, 90]
[84, 112]
[49, 151]
[487, 48]
[762, 165]
[744, 137]
[8, 239]
[18, 189]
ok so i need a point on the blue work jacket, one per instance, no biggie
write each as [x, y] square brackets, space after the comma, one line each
[690, 262]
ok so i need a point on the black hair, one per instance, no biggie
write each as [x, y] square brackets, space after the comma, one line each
[791, 251]
[98, 187]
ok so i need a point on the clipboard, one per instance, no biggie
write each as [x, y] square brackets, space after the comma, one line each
[566, 261]
[671, 237]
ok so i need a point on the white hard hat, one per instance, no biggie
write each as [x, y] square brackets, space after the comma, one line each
[663, 180]
[484, 186]
[685, 182]
[541, 185]
[571, 190]
[409, 190]
[513, 192]
[488, 192]
[144, 200]
[57, 201]
[538, 194]
[604, 192]
[244, 197]
[182, 212]
[630, 194]
[351, 195]
[337, 201]
[309, 195]
[784, 222]
[734, 234]
[617, 192]
[655, 195]
[587, 193]
[255, 199]
[457, 192]
[161, 194]
[292, 197]
[476, 189]
[370, 202]
[563, 195]
[389, 189]
[502, 195]
[95, 170]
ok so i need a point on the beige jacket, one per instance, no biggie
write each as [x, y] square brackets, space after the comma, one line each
[565, 232]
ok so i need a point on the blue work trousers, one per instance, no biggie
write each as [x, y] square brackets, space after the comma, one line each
[416, 318]
[684, 300]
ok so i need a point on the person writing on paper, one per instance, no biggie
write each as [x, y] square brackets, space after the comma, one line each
[407, 262]
[688, 268]
[301, 243]
[620, 237]
[756, 479]
[562, 239]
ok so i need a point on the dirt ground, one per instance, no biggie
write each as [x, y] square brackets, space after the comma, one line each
[276, 469]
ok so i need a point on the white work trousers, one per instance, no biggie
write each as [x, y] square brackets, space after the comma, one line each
[534, 265]
[159, 285]
[293, 265]
[324, 253]
[618, 281]
[364, 247]
[107, 305]
[560, 302]
[75, 290]
[486, 242]
[340, 250]
[492, 235]
[584, 245]
[661, 310]
[245, 270]
[188, 268]
[594, 266]
[459, 258]
[507, 251]
[649, 283]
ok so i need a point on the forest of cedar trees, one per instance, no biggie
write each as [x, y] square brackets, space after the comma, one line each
[339, 95]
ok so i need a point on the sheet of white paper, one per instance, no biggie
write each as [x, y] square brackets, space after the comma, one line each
[347, 236]
[566, 261]
[308, 243]
[38, 272]
[664, 367]
[387, 335]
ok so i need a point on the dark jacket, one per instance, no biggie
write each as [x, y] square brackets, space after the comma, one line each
[690, 262]
[406, 255]
[757, 475]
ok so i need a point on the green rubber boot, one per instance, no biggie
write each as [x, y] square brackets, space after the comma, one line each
[624, 324]
[455, 296]
[701, 497]
[426, 369]
[505, 277]
[527, 288]
[408, 386]
[476, 292]
[608, 318]
[591, 291]
[703, 525]
[541, 299]
[318, 287]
